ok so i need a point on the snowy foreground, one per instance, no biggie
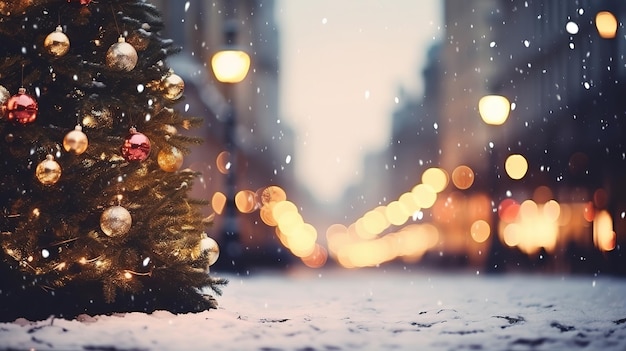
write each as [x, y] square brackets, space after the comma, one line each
[362, 310]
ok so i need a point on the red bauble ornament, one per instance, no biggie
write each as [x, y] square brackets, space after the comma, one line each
[21, 108]
[136, 146]
[82, 2]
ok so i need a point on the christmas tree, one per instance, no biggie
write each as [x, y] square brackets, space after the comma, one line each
[96, 213]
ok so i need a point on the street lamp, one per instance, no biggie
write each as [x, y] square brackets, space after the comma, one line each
[494, 111]
[606, 24]
[230, 66]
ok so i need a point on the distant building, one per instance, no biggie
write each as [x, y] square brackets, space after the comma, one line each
[564, 82]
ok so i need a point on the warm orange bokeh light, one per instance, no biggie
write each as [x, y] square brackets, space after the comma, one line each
[409, 201]
[223, 162]
[375, 222]
[266, 215]
[603, 234]
[463, 177]
[437, 178]
[245, 201]
[480, 231]
[281, 208]
[508, 210]
[272, 193]
[516, 166]
[425, 195]
[606, 24]
[317, 258]
[218, 202]
[397, 213]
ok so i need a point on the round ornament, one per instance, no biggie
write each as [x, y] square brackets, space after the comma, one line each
[4, 97]
[115, 221]
[48, 171]
[173, 87]
[210, 247]
[76, 141]
[57, 43]
[136, 146]
[21, 107]
[170, 159]
[121, 56]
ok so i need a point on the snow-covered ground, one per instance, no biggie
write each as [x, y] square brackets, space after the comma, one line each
[366, 310]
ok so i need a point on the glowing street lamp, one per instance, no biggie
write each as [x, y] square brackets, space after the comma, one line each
[494, 110]
[230, 66]
[606, 23]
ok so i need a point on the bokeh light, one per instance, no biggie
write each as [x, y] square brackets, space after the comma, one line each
[425, 195]
[463, 177]
[409, 201]
[516, 166]
[606, 24]
[245, 201]
[317, 258]
[480, 231]
[272, 193]
[218, 201]
[437, 178]
[222, 161]
[494, 109]
[603, 234]
[397, 213]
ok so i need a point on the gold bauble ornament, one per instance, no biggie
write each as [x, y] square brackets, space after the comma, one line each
[115, 221]
[121, 56]
[48, 171]
[173, 87]
[209, 247]
[170, 159]
[76, 141]
[57, 43]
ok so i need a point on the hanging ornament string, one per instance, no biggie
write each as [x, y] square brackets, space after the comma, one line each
[121, 56]
[117, 27]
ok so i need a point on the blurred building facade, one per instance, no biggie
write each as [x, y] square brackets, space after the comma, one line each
[263, 143]
[567, 120]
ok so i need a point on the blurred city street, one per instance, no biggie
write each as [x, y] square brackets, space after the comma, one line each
[371, 309]
[472, 197]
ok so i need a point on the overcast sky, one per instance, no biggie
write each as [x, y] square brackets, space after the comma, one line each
[342, 63]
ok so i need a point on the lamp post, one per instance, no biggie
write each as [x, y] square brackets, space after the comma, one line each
[230, 66]
[494, 111]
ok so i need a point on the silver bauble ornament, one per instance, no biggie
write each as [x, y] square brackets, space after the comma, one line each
[115, 220]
